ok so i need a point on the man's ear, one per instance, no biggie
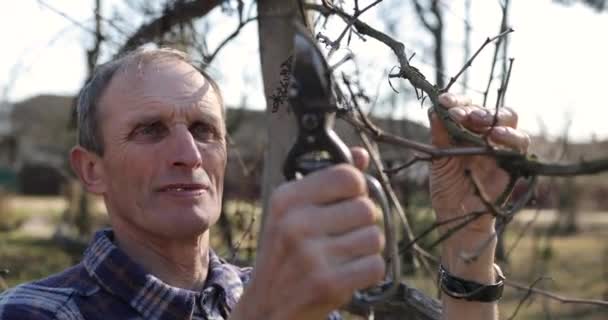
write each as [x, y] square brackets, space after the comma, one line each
[87, 165]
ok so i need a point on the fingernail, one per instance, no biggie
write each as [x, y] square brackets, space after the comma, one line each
[448, 99]
[457, 113]
[500, 131]
[481, 114]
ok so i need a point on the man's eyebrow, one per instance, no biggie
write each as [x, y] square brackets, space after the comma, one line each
[198, 115]
[202, 113]
[146, 118]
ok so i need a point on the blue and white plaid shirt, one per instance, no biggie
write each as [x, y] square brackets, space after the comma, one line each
[109, 285]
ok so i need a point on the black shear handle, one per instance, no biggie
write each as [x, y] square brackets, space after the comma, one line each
[315, 151]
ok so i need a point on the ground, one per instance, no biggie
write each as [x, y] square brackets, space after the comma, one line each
[574, 266]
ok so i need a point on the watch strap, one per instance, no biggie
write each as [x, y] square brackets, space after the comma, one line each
[459, 288]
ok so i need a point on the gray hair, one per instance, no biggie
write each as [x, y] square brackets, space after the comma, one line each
[89, 129]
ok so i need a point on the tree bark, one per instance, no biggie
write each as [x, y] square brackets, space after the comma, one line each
[275, 23]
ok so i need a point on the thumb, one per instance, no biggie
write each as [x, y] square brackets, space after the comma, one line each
[360, 158]
[439, 134]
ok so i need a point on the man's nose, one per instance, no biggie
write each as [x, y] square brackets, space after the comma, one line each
[185, 151]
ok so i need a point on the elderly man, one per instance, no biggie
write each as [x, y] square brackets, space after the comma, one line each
[152, 143]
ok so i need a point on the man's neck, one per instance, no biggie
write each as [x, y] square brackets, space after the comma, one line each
[179, 263]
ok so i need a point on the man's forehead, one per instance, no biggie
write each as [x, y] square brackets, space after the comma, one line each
[163, 71]
[163, 82]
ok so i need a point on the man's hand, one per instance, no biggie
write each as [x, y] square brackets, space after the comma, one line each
[453, 194]
[320, 244]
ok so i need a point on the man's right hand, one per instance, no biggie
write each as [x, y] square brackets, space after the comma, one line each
[320, 244]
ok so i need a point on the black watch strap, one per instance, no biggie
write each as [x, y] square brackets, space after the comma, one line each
[459, 288]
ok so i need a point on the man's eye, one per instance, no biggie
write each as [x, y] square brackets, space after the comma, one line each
[153, 130]
[203, 132]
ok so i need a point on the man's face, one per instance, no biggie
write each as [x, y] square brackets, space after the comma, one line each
[165, 151]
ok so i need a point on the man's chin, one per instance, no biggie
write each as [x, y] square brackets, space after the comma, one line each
[186, 222]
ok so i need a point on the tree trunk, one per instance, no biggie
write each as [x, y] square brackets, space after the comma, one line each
[276, 31]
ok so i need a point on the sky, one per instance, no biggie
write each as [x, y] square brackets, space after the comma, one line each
[559, 75]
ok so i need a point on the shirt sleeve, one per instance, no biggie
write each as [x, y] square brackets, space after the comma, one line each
[335, 315]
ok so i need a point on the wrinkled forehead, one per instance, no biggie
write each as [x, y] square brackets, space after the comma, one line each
[160, 80]
[164, 76]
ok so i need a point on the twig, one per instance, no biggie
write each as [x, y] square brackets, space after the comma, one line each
[502, 91]
[436, 30]
[242, 24]
[247, 232]
[336, 43]
[503, 26]
[525, 297]
[503, 88]
[511, 161]
[562, 299]
[472, 216]
[179, 13]
[344, 59]
[505, 215]
[408, 234]
[67, 17]
[239, 157]
[470, 61]
[522, 233]
[415, 158]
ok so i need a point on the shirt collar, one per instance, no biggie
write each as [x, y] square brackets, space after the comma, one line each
[150, 296]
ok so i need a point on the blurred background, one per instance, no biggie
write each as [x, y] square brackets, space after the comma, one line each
[557, 86]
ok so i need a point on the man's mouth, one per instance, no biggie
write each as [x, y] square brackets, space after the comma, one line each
[184, 188]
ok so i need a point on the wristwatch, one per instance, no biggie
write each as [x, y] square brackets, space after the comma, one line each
[459, 288]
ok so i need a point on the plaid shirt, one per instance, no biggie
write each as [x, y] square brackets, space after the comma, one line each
[109, 285]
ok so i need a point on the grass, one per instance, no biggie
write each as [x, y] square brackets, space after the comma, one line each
[29, 258]
[577, 265]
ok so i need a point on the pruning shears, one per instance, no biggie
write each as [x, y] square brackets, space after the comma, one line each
[317, 145]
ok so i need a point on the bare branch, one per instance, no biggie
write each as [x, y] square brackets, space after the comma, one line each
[562, 299]
[436, 30]
[242, 24]
[408, 164]
[349, 23]
[383, 178]
[525, 297]
[180, 12]
[503, 88]
[248, 231]
[503, 26]
[470, 61]
[523, 232]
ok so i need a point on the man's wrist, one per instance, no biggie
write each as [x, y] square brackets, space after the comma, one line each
[470, 256]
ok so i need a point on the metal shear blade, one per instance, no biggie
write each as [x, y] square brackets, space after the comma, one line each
[313, 103]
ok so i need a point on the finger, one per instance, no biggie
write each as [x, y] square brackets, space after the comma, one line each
[360, 242]
[346, 216]
[479, 119]
[361, 273]
[360, 158]
[439, 134]
[510, 138]
[321, 187]
[450, 100]
[335, 287]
